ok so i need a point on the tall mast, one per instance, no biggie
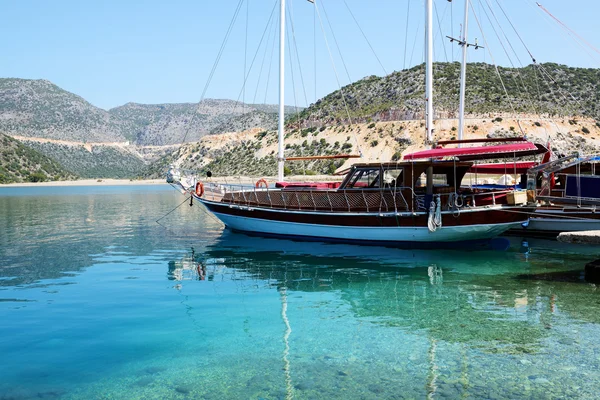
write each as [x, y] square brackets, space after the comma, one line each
[463, 73]
[429, 70]
[280, 158]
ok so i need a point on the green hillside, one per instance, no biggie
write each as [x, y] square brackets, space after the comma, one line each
[19, 163]
[536, 89]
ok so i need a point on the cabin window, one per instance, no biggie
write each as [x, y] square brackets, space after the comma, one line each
[392, 177]
[363, 178]
[370, 178]
[438, 180]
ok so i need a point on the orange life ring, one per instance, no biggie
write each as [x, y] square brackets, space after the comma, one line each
[199, 189]
[261, 183]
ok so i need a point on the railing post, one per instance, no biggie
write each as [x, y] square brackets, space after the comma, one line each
[346, 198]
[329, 200]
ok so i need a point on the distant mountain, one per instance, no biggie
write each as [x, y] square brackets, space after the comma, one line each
[385, 118]
[40, 109]
[19, 163]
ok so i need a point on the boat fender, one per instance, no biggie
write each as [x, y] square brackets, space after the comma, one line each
[434, 219]
[261, 183]
[199, 189]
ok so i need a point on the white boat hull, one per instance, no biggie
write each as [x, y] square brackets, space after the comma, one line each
[562, 224]
[365, 234]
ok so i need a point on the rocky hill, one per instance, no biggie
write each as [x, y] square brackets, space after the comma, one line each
[545, 102]
[254, 152]
[19, 163]
[544, 89]
[40, 109]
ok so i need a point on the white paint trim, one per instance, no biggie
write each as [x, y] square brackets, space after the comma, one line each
[376, 234]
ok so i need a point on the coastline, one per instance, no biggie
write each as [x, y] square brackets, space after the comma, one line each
[89, 182]
[135, 182]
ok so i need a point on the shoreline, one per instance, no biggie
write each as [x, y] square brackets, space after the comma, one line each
[88, 182]
[137, 182]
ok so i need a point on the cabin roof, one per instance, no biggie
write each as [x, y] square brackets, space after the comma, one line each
[474, 153]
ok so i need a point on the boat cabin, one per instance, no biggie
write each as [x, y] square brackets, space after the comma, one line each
[445, 175]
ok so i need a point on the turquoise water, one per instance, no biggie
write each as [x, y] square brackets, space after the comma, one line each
[99, 301]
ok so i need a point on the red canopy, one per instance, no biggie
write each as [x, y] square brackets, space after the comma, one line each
[481, 152]
[520, 167]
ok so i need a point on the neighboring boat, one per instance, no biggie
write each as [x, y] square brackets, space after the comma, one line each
[568, 190]
[407, 204]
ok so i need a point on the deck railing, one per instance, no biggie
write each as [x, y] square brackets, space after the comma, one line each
[402, 199]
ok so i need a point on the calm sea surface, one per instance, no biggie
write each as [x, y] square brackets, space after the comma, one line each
[99, 301]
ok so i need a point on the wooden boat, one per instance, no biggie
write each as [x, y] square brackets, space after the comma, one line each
[406, 204]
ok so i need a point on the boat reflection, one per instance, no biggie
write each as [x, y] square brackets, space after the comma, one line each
[477, 298]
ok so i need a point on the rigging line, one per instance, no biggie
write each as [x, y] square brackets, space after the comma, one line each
[291, 17]
[569, 29]
[406, 32]
[335, 41]
[437, 16]
[497, 35]
[180, 204]
[559, 89]
[552, 23]
[506, 51]
[516, 32]
[214, 67]
[314, 115]
[497, 70]
[515, 53]
[415, 43]
[452, 25]
[367, 39]
[564, 30]
[263, 60]
[255, 55]
[245, 58]
[315, 49]
[337, 78]
[292, 70]
[501, 30]
[547, 74]
[546, 79]
[210, 76]
[271, 59]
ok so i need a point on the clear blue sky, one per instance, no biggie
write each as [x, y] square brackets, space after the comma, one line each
[112, 52]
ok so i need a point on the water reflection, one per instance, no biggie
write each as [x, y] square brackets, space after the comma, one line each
[192, 311]
[459, 325]
[459, 297]
[49, 233]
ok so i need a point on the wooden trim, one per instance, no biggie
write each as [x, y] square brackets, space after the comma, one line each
[322, 157]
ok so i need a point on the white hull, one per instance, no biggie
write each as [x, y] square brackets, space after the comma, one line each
[562, 224]
[365, 234]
